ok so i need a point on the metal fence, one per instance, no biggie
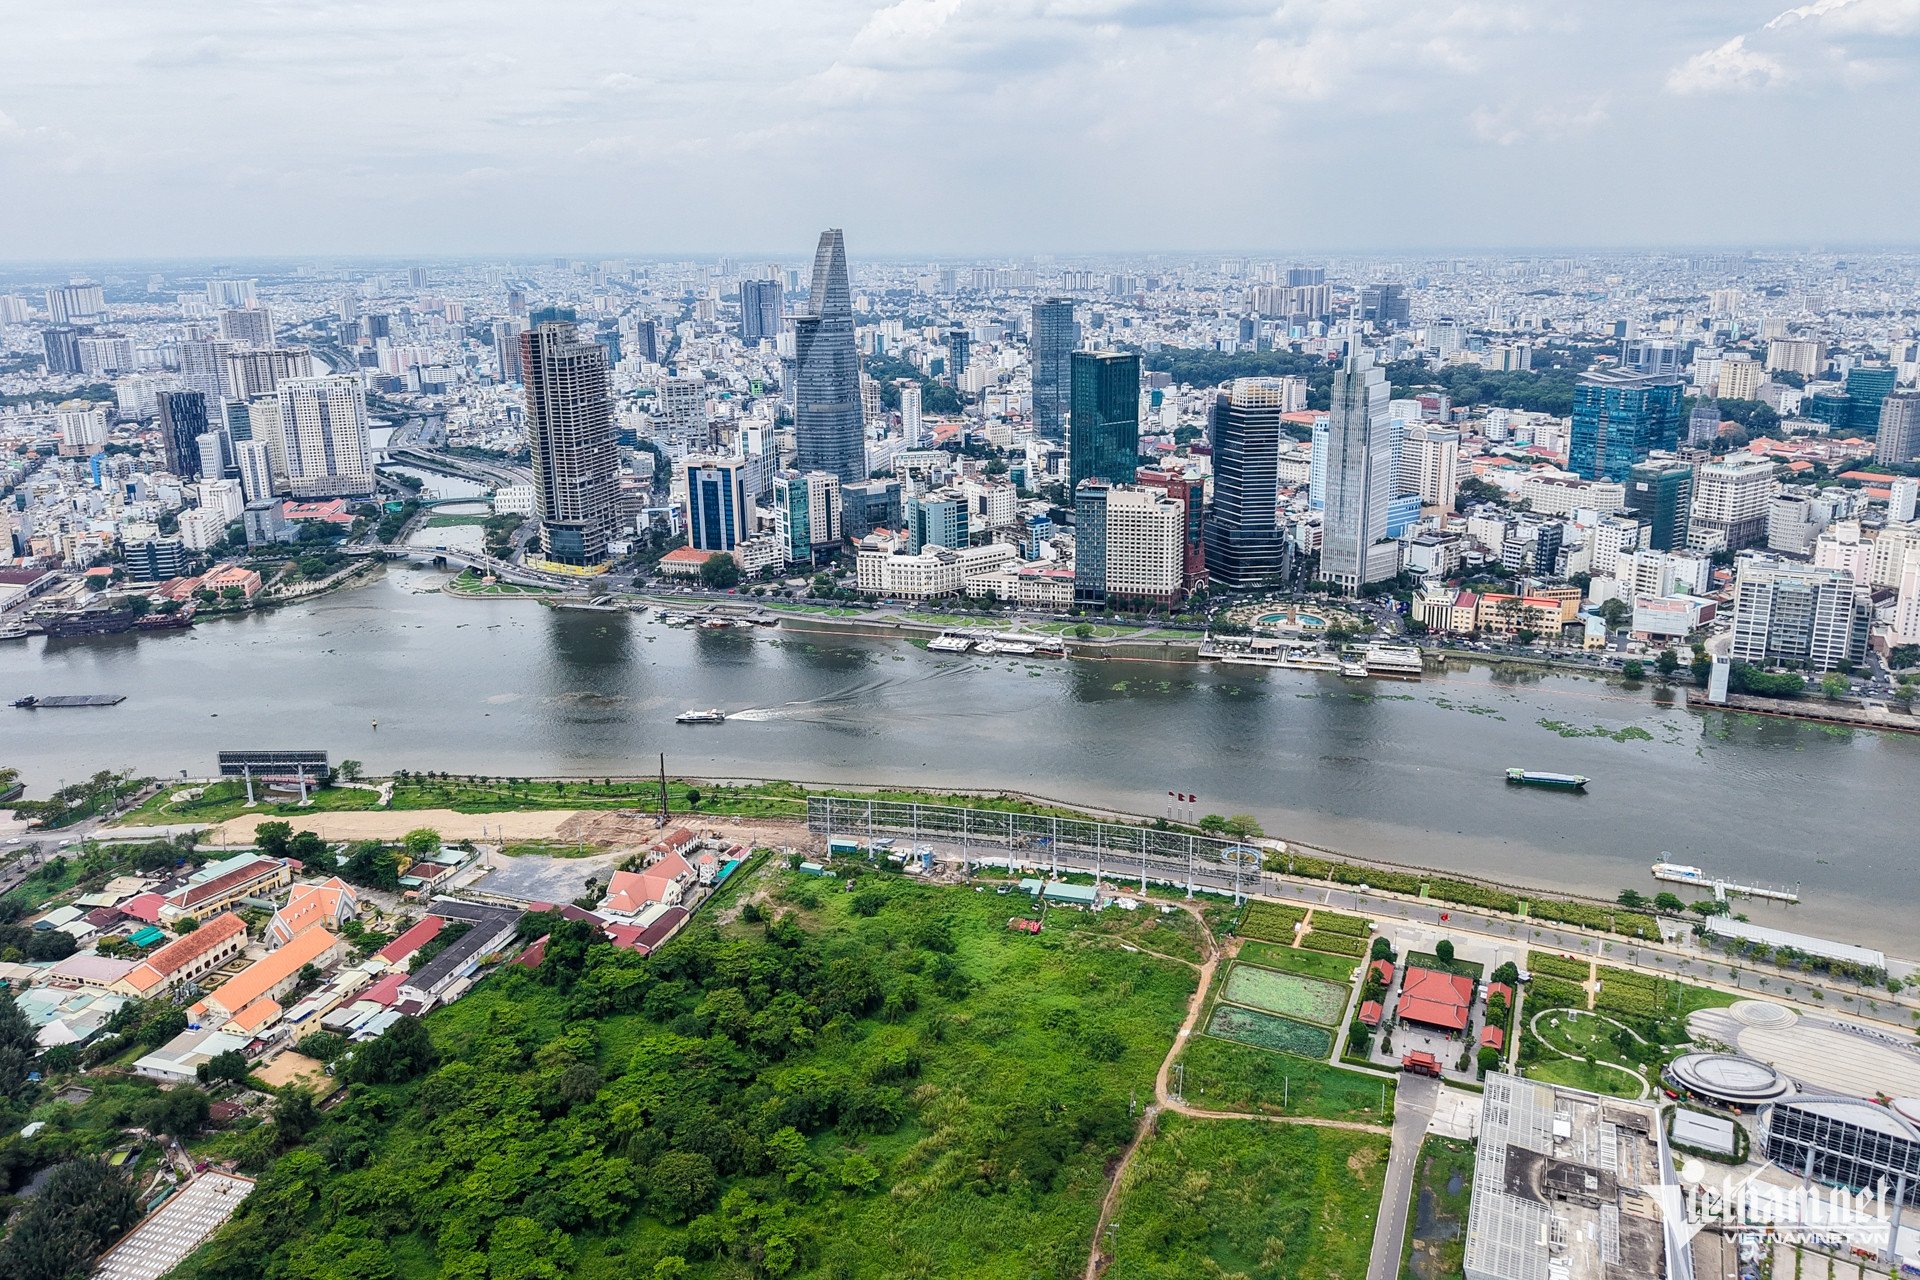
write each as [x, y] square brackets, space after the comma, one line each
[1045, 842]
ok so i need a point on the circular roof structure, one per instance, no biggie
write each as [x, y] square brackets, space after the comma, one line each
[1728, 1079]
[1763, 1013]
[1909, 1108]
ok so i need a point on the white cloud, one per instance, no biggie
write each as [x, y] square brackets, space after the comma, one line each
[1731, 66]
[1845, 43]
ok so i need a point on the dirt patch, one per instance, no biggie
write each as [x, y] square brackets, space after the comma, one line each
[297, 1068]
[391, 824]
[1363, 1159]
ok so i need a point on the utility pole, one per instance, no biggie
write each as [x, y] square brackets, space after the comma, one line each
[663, 788]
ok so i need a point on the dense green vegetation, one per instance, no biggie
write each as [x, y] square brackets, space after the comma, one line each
[1443, 1180]
[1242, 1198]
[1221, 1075]
[78, 801]
[1200, 367]
[884, 1082]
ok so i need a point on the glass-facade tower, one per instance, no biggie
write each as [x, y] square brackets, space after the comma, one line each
[1055, 335]
[1104, 417]
[1618, 419]
[828, 428]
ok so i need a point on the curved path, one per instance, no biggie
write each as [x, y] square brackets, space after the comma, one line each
[1561, 1055]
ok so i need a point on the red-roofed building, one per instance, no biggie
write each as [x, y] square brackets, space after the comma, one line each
[682, 562]
[533, 955]
[188, 958]
[1370, 1012]
[665, 879]
[1384, 968]
[143, 906]
[385, 991]
[1435, 999]
[1492, 1038]
[397, 951]
[1502, 990]
[331, 511]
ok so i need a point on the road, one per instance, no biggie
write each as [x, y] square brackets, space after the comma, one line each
[1413, 1104]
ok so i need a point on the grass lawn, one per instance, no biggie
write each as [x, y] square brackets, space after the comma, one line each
[1224, 1076]
[228, 799]
[1175, 933]
[1241, 1197]
[1575, 1035]
[1428, 960]
[1595, 1079]
[551, 849]
[452, 522]
[1436, 1245]
[1312, 964]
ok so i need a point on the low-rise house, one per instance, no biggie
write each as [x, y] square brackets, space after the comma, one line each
[188, 958]
[664, 880]
[220, 885]
[397, 952]
[490, 929]
[88, 969]
[232, 575]
[327, 905]
[179, 1058]
[267, 979]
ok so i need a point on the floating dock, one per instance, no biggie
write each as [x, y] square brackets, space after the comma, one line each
[1681, 873]
[32, 703]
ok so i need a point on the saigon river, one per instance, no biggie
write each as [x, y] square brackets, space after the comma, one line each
[1409, 773]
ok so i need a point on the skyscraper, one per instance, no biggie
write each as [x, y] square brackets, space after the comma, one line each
[1660, 493]
[1618, 419]
[759, 310]
[1055, 335]
[827, 426]
[719, 517]
[959, 353]
[324, 435]
[570, 433]
[1386, 305]
[506, 348]
[1899, 440]
[1359, 475]
[183, 420]
[910, 412]
[1104, 417]
[1703, 424]
[1246, 547]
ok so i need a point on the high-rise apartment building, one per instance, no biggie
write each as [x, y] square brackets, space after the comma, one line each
[1055, 335]
[259, 372]
[1358, 475]
[248, 326]
[182, 421]
[827, 428]
[570, 433]
[1619, 418]
[324, 436]
[719, 517]
[78, 303]
[1703, 424]
[1660, 493]
[61, 345]
[1899, 428]
[232, 293]
[1246, 545]
[759, 311]
[1902, 493]
[1429, 465]
[1730, 500]
[203, 367]
[1803, 356]
[681, 407]
[255, 461]
[1740, 378]
[910, 400]
[1103, 417]
[506, 349]
[1794, 613]
[1386, 305]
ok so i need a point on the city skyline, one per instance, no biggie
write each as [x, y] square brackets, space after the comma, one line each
[1519, 99]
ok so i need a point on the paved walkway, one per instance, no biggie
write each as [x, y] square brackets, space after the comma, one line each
[1413, 1104]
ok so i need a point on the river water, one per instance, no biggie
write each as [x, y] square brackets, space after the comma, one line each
[1412, 773]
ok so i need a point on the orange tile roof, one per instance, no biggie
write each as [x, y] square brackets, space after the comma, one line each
[1435, 998]
[157, 968]
[271, 970]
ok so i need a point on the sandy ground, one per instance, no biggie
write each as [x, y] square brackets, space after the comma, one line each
[391, 824]
[291, 1068]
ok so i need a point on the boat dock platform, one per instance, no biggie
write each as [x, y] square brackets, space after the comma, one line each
[32, 703]
[1681, 873]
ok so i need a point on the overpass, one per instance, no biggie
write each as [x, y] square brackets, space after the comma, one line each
[480, 562]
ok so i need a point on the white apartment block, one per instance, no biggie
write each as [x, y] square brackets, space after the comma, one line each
[935, 572]
[1144, 543]
[1562, 495]
[1730, 499]
[324, 437]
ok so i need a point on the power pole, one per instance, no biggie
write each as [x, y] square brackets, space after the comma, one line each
[663, 788]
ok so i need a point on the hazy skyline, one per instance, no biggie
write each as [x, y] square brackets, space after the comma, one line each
[264, 127]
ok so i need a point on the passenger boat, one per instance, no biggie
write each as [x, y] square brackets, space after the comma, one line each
[712, 715]
[1536, 778]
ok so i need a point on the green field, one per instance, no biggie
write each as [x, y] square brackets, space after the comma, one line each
[1271, 922]
[1574, 1073]
[1313, 964]
[452, 522]
[1436, 1245]
[877, 1083]
[1227, 1076]
[228, 799]
[1334, 922]
[1428, 960]
[1339, 944]
[1247, 1198]
[1287, 994]
[1266, 1031]
[1174, 933]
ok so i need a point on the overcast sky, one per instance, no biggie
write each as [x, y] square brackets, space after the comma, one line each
[234, 127]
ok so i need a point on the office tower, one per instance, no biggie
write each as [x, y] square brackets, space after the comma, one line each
[827, 428]
[570, 433]
[239, 418]
[1446, 337]
[1055, 335]
[959, 353]
[249, 326]
[378, 325]
[232, 293]
[1190, 493]
[1730, 504]
[759, 311]
[937, 519]
[1660, 493]
[1833, 408]
[1140, 540]
[1359, 475]
[1429, 466]
[719, 518]
[1386, 305]
[1740, 378]
[1090, 541]
[506, 349]
[1103, 416]
[182, 421]
[1703, 424]
[646, 341]
[1803, 356]
[61, 345]
[252, 373]
[1901, 495]
[203, 367]
[1899, 428]
[1246, 546]
[155, 559]
[806, 513]
[76, 303]
[215, 450]
[910, 412]
[682, 408]
[1786, 612]
[1869, 386]
[324, 436]
[255, 461]
[1618, 419]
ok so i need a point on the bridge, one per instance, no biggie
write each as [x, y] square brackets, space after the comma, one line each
[480, 562]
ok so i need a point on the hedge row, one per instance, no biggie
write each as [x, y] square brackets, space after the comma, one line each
[1332, 922]
[1336, 944]
[1556, 966]
[1554, 993]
